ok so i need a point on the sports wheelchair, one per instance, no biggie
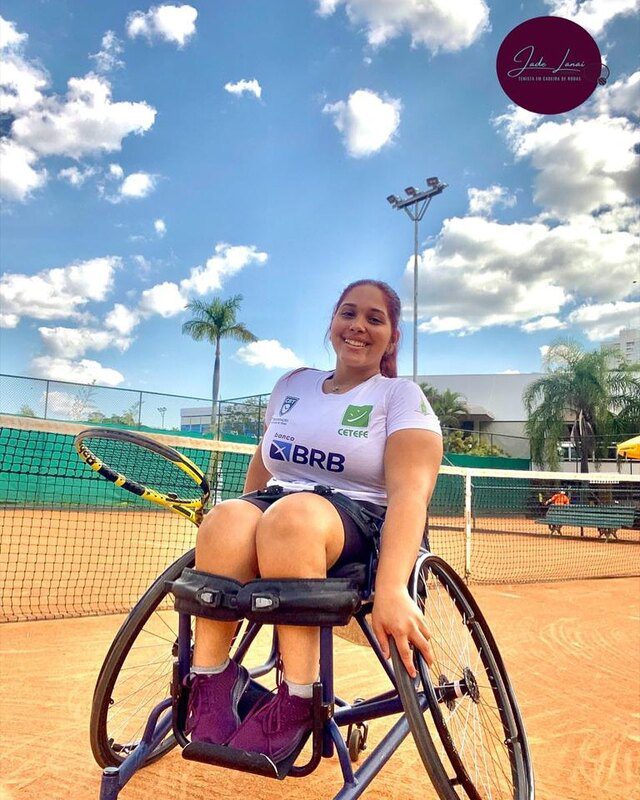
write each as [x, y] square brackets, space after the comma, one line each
[461, 711]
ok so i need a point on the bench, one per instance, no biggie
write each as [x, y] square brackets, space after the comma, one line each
[607, 519]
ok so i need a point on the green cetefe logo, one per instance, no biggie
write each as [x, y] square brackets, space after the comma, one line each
[357, 416]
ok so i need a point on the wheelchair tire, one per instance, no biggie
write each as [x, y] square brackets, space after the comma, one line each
[136, 675]
[470, 736]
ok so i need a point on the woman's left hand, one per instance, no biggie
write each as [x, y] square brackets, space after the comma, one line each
[395, 614]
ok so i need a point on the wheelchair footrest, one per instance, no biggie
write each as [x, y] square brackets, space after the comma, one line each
[224, 756]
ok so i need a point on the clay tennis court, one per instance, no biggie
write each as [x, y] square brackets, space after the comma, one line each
[572, 651]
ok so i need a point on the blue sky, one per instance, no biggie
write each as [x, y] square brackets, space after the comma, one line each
[157, 154]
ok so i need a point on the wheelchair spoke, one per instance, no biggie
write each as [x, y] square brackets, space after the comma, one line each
[473, 713]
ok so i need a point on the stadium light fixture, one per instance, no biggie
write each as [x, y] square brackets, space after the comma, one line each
[415, 205]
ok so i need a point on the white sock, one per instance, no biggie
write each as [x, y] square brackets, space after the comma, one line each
[211, 670]
[304, 690]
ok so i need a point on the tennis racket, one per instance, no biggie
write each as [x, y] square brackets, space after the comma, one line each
[146, 468]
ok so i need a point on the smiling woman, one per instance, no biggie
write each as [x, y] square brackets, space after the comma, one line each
[343, 452]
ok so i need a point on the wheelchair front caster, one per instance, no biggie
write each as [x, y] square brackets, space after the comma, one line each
[357, 740]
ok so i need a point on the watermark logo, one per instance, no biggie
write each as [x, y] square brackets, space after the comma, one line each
[287, 404]
[549, 65]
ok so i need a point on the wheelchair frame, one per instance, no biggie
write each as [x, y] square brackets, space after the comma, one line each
[416, 698]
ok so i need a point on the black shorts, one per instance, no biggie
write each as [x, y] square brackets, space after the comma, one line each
[361, 520]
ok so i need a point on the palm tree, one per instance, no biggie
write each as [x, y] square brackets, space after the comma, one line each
[213, 322]
[581, 389]
[448, 406]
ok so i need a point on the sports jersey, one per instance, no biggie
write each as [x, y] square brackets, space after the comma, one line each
[338, 440]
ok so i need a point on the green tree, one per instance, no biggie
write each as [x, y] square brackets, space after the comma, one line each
[580, 389]
[26, 411]
[214, 321]
[460, 442]
[448, 406]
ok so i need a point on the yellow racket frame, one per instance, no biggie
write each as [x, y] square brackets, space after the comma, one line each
[191, 507]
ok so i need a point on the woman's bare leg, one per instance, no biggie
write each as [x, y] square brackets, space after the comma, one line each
[300, 536]
[226, 545]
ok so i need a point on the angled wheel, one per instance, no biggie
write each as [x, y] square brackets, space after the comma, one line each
[462, 711]
[136, 674]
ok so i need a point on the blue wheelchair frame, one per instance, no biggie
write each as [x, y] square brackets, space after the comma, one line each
[331, 713]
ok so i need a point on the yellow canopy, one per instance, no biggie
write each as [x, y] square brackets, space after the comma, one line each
[630, 448]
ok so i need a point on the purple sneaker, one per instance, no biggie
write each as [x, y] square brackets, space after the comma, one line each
[276, 728]
[212, 713]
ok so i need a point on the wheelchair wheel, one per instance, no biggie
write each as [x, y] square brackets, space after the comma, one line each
[136, 674]
[462, 711]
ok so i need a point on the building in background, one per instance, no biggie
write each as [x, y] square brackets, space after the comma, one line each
[496, 410]
[627, 347]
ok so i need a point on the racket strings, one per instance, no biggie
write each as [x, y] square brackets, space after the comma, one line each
[143, 466]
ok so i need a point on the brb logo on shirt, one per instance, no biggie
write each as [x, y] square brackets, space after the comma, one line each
[356, 417]
[299, 454]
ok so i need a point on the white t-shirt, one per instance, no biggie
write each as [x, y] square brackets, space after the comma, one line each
[338, 440]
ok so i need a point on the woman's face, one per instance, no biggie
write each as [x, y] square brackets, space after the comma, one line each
[361, 329]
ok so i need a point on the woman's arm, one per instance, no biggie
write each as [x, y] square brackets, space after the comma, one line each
[411, 462]
[257, 474]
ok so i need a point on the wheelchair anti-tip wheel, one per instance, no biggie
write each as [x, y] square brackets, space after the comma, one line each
[462, 711]
[136, 674]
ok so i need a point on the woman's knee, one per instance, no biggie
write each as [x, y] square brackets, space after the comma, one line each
[229, 526]
[300, 519]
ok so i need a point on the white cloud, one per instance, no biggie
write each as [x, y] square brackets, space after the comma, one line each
[74, 342]
[21, 84]
[482, 201]
[170, 23]
[84, 371]
[116, 171]
[434, 24]
[366, 121]
[76, 176]
[604, 320]
[86, 121]
[619, 98]
[9, 36]
[108, 58]
[137, 185]
[165, 299]
[160, 227]
[481, 273]
[544, 349]
[243, 86]
[226, 261]
[122, 319]
[543, 324]
[19, 177]
[593, 15]
[268, 353]
[57, 293]
[509, 372]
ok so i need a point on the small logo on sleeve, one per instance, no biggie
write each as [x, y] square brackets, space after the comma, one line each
[287, 404]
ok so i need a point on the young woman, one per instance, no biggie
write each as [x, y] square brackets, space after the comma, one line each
[372, 438]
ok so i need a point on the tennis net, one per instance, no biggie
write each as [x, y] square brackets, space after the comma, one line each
[73, 544]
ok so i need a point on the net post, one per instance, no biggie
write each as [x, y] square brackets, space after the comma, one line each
[46, 399]
[467, 525]
[140, 410]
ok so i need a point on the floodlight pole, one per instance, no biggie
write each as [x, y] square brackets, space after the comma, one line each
[415, 206]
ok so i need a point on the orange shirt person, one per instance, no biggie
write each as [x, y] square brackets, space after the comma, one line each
[558, 499]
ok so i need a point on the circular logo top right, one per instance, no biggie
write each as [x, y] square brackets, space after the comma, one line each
[549, 65]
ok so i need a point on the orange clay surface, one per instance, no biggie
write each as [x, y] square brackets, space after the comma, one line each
[572, 650]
